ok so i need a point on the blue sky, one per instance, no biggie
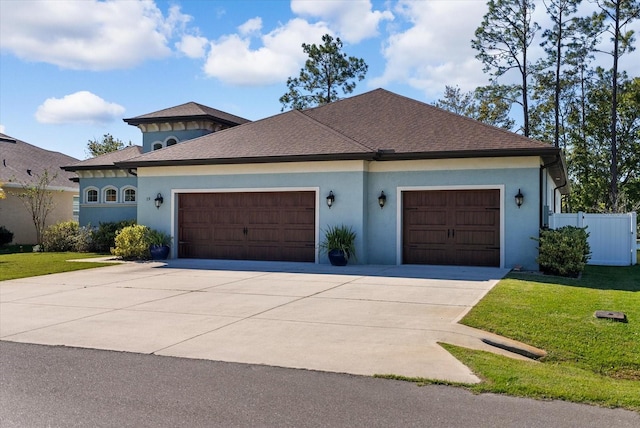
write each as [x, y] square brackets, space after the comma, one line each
[70, 71]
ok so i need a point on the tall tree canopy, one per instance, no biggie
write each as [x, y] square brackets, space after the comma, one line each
[489, 104]
[107, 145]
[327, 70]
[503, 40]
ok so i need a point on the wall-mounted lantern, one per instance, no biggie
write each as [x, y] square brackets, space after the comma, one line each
[519, 198]
[158, 200]
[330, 199]
[382, 199]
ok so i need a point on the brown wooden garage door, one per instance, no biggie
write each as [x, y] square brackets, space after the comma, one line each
[277, 226]
[451, 227]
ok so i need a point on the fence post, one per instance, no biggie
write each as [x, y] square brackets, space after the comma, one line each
[580, 220]
[634, 237]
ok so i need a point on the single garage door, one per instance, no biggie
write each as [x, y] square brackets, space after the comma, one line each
[451, 227]
[276, 226]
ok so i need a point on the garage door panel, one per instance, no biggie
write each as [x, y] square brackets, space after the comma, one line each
[453, 227]
[477, 218]
[427, 236]
[475, 237]
[427, 217]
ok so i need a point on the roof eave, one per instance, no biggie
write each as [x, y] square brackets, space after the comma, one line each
[138, 121]
[247, 160]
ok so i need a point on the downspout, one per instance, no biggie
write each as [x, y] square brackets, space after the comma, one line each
[542, 192]
[133, 171]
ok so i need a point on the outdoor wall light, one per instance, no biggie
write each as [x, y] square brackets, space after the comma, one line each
[330, 199]
[519, 198]
[158, 200]
[382, 199]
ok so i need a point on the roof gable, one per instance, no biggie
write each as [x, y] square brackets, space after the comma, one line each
[383, 120]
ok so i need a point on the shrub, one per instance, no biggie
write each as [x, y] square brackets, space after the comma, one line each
[66, 236]
[564, 251]
[6, 236]
[132, 243]
[104, 237]
[159, 238]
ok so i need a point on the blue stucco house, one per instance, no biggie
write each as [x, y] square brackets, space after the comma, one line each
[419, 185]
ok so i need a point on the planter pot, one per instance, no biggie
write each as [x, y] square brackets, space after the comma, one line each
[159, 252]
[338, 258]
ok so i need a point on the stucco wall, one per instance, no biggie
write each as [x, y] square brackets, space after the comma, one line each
[15, 217]
[356, 186]
[148, 138]
[94, 213]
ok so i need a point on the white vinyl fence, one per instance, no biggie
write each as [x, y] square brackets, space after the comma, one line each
[612, 237]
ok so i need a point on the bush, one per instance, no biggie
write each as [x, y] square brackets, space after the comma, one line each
[67, 236]
[104, 237]
[132, 243]
[564, 251]
[6, 236]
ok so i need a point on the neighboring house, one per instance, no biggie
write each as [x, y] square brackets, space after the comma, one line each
[259, 191]
[22, 164]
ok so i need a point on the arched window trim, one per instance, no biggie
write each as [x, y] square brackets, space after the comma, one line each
[104, 194]
[171, 137]
[156, 143]
[86, 195]
[123, 194]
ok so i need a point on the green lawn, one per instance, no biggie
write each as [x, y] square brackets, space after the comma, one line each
[22, 265]
[589, 360]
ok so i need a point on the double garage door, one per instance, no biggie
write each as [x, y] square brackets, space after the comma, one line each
[448, 227]
[276, 226]
[451, 227]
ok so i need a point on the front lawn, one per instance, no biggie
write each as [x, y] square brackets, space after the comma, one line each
[589, 360]
[592, 361]
[22, 265]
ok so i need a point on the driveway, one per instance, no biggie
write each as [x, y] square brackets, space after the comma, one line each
[361, 320]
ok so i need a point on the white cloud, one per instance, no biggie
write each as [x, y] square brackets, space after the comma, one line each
[79, 107]
[252, 26]
[192, 46]
[2, 129]
[433, 53]
[88, 34]
[353, 20]
[232, 59]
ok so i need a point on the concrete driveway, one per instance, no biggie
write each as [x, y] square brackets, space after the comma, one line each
[361, 320]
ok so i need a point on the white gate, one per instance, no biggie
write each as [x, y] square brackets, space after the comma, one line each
[612, 237]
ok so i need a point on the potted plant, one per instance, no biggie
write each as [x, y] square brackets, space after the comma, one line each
[159, 244]
[339, 244]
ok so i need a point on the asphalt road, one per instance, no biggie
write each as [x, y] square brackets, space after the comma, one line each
[42, 386]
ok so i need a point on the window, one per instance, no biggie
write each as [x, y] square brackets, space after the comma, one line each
[171, 142]
[129, 195]
[157, 146]
[91, 196]
[110, 195]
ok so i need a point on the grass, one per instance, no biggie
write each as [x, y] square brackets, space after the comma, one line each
[589, 360]
[23, 265]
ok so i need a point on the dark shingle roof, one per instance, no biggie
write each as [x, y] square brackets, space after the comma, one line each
[188, 110]
[105, 161]
[375, 125]
[384, 120]
[18, 158]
